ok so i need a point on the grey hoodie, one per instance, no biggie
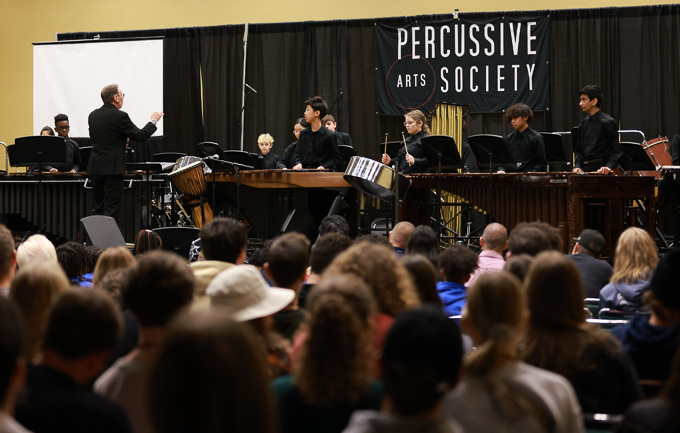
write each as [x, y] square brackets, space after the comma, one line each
[371, 421]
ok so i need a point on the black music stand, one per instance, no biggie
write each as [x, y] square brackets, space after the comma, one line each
[85, 153]
[393, 148]
[168, 156]
[635, 158]
[442, 155]
[554, 150]
[490, 149]
[208, 148]
[346, 152]
[38, 150]
[240, 157]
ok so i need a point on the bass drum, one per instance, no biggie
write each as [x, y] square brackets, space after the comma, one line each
[374, 178]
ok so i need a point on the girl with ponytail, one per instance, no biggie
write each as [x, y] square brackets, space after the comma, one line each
[411, 157]
[499, 392]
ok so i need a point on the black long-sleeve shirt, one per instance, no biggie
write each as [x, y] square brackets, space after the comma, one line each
[527, 149]
[415, 149]
[72, 158]
[599, 142]
[318, 148]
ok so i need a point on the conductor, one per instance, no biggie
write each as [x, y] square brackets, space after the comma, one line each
[109, 130]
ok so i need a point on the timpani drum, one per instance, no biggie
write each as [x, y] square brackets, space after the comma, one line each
[189, 179]
[374, 178]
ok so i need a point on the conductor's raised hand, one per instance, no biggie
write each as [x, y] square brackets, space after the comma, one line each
[157, 115]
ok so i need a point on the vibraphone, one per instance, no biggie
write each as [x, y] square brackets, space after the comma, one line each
[567, 201]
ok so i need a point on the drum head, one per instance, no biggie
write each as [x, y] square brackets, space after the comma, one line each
[185, 168]
[374, 178]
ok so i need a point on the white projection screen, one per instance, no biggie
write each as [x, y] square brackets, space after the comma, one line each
[68, 78]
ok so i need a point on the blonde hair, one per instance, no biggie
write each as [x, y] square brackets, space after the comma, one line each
[417, 117]
[335, 361]
[112, 258]
[35, 290]
[385, 275]
[36, 250]
[636, 256]
[265, 139]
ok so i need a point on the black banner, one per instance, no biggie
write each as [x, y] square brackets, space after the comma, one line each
[488, 64]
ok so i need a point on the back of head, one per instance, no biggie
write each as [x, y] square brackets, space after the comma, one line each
[424, 277]
[457, 262]
[93, 254]
[35, 290]
[421, 360]
[526, 238]
[401, 234]
[591, 242]
[210, 376]
[495, 308]
[333, 224]
[335, 363]
[518, 265]
[147, 240]
[380, 269]
[82, 322]
[11, 340]
[157, 287]
[36, 250]
[108, 93]
[495, 237]
[555, 293]
[288, 259]
[664, 284]
[112, 258]
[636, 256]
[326, 248]
[73, 259]
[6, 251]
[424, 241]
[223, 239]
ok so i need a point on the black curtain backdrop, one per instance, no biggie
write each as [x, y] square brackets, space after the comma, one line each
[632, 53]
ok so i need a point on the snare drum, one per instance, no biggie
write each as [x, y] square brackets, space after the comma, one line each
[374, 178]
[189, 180]
[658, 150]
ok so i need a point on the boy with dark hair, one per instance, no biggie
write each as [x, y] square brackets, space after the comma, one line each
[526, 145]
[330, 123]
[83, 329]
[317, 147]
[420, 364]
[288, 158]
[286, 265]
[12, 365]
[598, 146]
[155, 289]
[456, 264]
[73, 258]
[334, 224]
[527, 238]
[72, 163]
[326, 248]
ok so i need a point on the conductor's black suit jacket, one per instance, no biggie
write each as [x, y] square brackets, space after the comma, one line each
[109, 130]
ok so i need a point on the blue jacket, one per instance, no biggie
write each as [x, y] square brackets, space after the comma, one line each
[453, 296]
[623, 296]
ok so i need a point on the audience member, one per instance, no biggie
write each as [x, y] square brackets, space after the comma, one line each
[333, 378]
[12, 366]
[73, 259]
[636, 259]
[93, 254]
[375, 239]
[456, 264]
[424, 277]
[35, 290]
[518, 265]
[595, 273]
[287, 267]
[499, 392]
[210, 377]
[147, 240]
[651, 340]
[420, 364]
[83, 329]
[527, 238]
[112, 258]
[386, 277]
[560, 340]
[112, 284]
[326, 248]
[223, 244]
[553, 235]
[400, 235]
[36, 250]
[334, 224]
[424, 241]
[8, 260]
[494, 241]
[156, 288]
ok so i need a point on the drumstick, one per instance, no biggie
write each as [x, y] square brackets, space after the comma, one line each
[406, 148]
[386, 143]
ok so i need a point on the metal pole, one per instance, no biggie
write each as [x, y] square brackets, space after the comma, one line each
[243, 83]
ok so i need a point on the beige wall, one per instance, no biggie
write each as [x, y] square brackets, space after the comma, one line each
[23, 22]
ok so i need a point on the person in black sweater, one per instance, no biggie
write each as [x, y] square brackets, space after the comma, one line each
[289, 155]
[265, 142]
[317, 147]
[526, 145]
[414, 160]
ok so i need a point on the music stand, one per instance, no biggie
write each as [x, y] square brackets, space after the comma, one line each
[239, 157]
[168, 156]
[635, 158]
[490, 149]
[208, 148]
[85, 153]
[346, 152]
[257, 160]
[554, 150]
[38, 150]
[393, 148]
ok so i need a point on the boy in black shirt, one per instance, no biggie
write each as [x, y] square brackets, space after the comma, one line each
[526, 145]
[317, 147]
